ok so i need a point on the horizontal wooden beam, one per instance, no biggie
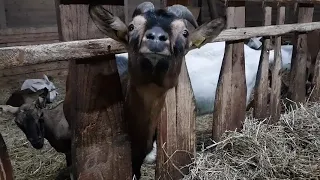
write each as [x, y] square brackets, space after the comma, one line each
[275, 30]
[278, 1]
[34, 54]
[103, 2]
[25, 55]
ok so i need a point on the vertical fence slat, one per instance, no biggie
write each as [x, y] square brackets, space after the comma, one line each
[6, 172]
[100, 144]
[297, 90]
[176, 130]
[275, 106]
[230, 101]
[262, 81]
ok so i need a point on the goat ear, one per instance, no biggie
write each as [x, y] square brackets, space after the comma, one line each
[109, 24]
[8, 108]
[207, 32]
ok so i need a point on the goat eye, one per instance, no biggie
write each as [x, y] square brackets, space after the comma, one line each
[131, 27]
[185, 33]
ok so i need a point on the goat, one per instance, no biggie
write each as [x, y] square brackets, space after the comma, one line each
[157, 41]
[38, 124]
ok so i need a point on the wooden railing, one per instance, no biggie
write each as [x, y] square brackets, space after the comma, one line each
[176, 140]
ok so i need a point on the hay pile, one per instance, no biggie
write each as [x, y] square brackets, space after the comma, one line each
[289, 149]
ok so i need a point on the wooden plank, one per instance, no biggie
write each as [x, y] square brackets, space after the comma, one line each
[262, 81]
[6, 172]
[3, 19]
[297, 90]
[28, 30]
[230, 101]
[30, 13]
[28, 43]
[85, 48]
[43, 67]
[34, 54]
[28, 37]
[99, 132]
[20, 78]
[176, 135]
[275, 30]
[104, 2]
[275, 105]
[176, 129]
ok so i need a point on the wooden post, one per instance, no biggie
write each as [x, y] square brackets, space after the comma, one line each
[230, 101]
[275, 106]
[6, 172]
[297, 90]
[262, 81]
[176, 130]
[100, 143]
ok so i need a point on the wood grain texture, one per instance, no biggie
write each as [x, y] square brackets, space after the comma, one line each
[6, 172]
[260, 110]
[85, 48]
[34, 54]
[176, 129]
[94, 103]
[230, 101]
[100, 140]
[82, 27]
[297, 90]
[275, 105]
[176, 135]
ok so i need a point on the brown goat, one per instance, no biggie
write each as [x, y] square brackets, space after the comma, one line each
[156, 41]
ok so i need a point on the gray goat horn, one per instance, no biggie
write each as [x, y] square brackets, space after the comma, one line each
[183, 12]
[142, 8]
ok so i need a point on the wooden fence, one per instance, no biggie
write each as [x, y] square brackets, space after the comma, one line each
[92, 141]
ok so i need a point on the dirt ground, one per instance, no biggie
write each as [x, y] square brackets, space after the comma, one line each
[31, 164]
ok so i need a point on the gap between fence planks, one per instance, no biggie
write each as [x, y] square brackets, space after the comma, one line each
[275, 106]
[261, 90]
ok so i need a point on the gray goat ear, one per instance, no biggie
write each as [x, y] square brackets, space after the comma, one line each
[207, 32]
[110, 25]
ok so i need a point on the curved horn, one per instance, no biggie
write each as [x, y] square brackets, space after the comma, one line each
[8, 108]
[142, 8]
[183, 12]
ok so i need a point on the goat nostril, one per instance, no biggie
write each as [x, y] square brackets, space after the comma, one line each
[163, 38]
[150, 36]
